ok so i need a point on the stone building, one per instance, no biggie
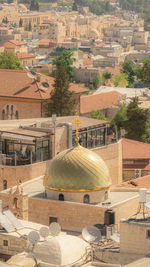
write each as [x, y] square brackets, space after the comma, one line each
[22, 97]
[135, 159]
[27, 146]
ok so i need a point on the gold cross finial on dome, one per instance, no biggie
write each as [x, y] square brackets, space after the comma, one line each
[77, 122]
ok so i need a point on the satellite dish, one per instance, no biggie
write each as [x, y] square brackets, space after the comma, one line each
[45, 85]
[91, 234]
[54, 229]
[31, 74]
[115, 237]
[33, 237]
[44, 231]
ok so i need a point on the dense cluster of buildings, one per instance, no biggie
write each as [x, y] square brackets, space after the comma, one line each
[71, 172]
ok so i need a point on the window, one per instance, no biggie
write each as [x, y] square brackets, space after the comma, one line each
[5, 243]
[52, 219]
[86, 199]
[61, 197]
[148, 234]
[5, 184]
[15, 203]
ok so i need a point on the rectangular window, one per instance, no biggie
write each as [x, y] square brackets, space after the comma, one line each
[52, 219]
[148, 234]
[5, 243]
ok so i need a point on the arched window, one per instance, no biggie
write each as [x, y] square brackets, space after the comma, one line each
[61, 197]
[16, 115]
[15, 203]
[3, 114]
[4, 184]
[86, 199]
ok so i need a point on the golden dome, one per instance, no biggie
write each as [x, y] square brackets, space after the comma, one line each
[77, 169]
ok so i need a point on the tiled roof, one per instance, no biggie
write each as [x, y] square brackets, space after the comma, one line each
[25, 55]
[17, 42]
[99, 101]
[132, 149]
[12, 43]
[16, 83]
[142, 182]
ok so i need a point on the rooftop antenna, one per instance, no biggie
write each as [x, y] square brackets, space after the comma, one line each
[44, 232]
[54, 229]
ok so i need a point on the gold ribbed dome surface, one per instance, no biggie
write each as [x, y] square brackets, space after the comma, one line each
[77, 169]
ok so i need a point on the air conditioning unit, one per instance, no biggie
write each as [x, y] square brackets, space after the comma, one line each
[137, 173]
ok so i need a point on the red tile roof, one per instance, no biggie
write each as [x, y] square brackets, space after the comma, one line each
[25, 55]
[16, 83]
[132, 149]
[142, 182]
[16, 43]
[99, 101]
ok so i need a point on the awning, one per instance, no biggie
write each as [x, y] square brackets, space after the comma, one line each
[11, 136]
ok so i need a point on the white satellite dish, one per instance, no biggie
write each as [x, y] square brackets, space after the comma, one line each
[44, 231]
[54, 229]
[33, 237]
[31, 74]
[91, 234]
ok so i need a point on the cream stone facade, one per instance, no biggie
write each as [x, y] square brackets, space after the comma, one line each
[80, 197]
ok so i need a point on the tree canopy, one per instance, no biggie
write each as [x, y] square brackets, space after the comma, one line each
[129, 69]
[137, 125]
[34, 5]
[120, 117]
[9, 60]
[62, 100]
[65, 59]
[97, 81]
[95, 6]
[97, 114]
[143, 72]
[120, 80]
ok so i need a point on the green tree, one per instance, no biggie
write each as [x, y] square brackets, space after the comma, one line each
[9, 60]
[97, 81]
[74, 7]
[107, 75]
[20, 22]
[120, 80]
[129, 69]
[62, 100]
[97, 114]
[119, 118]
[34, 5]
[143, 73]
[65, 59]
[137, 124]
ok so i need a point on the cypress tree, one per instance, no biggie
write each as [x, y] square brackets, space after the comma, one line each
[62, 100]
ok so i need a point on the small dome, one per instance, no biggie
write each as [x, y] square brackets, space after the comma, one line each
[77, 169]
[61, 250]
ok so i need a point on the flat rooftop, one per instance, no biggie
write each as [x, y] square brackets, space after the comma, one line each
[34, 188]
[47, 122]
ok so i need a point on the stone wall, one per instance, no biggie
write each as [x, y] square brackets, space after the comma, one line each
[23, 173]
[26, 108]
[134, 238]
[71, 216]
[112, 155]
